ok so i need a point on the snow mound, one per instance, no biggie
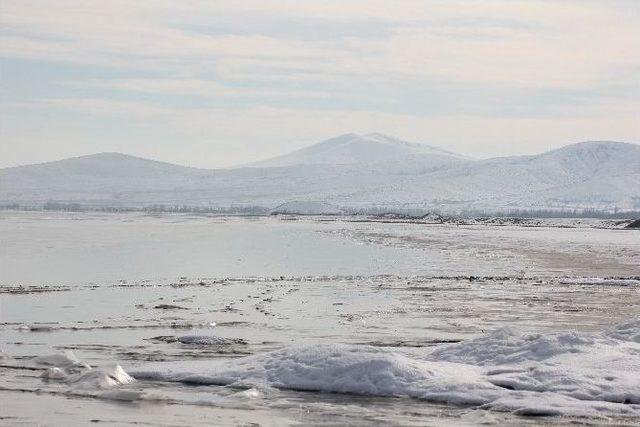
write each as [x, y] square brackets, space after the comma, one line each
[598, 367]
[337, 369]
[509, 346]
[507, 370]
[101, 378]
[628, 331]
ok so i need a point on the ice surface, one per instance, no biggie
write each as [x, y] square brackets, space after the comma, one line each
[122, 395]
[66, 360]
[508, 370]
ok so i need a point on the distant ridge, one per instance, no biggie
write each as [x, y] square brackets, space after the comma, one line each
[346, 171]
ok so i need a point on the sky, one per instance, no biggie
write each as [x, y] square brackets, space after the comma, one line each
[220, 83]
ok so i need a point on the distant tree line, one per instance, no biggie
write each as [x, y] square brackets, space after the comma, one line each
[379, 211]
[488, 213]
[156, 208]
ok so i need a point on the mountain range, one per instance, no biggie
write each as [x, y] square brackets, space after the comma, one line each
[349, 170]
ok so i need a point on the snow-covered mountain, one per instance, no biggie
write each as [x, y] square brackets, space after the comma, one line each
[588, 174]
[349, 170]
[352, 148]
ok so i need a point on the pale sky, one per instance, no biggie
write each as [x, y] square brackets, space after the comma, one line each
[218, 83]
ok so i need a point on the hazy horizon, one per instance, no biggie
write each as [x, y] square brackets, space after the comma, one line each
[220, 84]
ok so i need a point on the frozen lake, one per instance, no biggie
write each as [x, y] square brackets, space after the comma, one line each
[226, 320]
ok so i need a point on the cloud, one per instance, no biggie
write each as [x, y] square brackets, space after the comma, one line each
[195, 87]
[515, 43]
[480, 76]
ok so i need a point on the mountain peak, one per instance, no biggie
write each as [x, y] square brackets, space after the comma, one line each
[353, 148]
[596, 150]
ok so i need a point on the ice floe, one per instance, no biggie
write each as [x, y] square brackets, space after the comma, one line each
[72, 371]
[564, 373]
[54, 373]
[101, 378]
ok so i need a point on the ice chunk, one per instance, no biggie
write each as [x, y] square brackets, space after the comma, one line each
[251, 393]
[54, 374]
[101, 378]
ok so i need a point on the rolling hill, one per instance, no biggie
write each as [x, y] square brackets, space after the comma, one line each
[348, 171]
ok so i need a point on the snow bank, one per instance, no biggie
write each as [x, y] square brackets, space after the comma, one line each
[338, 369]
[507, 370]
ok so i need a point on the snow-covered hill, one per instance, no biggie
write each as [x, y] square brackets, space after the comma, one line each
[103, 176]
[347, 171]
[352, 148]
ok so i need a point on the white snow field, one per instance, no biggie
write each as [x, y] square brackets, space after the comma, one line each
[297, 320]
[347, 171]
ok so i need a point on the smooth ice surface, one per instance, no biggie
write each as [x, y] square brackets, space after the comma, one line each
[39, 249]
